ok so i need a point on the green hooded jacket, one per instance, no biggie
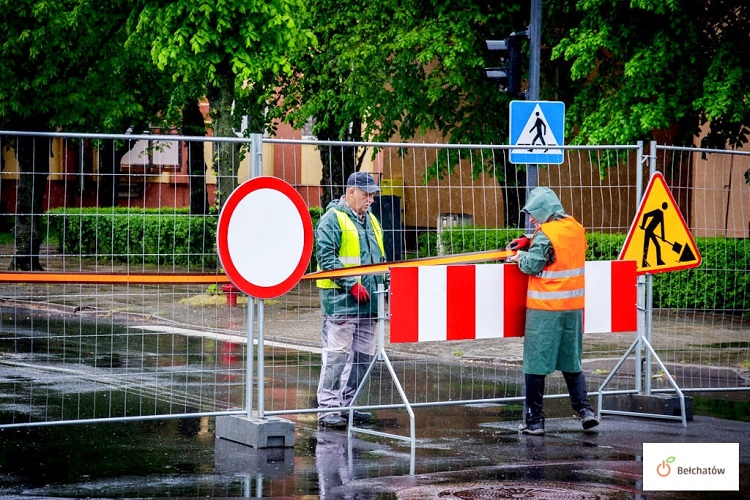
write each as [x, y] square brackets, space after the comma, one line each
[338, 302]
[553, 340]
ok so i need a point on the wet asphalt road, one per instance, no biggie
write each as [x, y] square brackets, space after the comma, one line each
[461, 452]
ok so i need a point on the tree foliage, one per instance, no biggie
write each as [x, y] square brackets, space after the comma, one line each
[385, 69]
[63, 64]
[231, 51]
[627, 70]
[647, 69]
[400, 68]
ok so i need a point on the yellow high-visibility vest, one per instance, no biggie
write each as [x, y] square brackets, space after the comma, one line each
[349, 252]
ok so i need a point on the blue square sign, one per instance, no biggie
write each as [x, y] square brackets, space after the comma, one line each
[540, 126]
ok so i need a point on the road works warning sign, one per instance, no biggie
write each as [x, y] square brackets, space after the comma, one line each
[659, 239]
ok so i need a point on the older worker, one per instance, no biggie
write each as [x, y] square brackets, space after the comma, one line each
[348, 234]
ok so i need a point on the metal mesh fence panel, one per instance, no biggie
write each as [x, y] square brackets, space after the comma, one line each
[121, 206]
[701, 315]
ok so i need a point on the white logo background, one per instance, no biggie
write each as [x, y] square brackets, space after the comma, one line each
[691, 466]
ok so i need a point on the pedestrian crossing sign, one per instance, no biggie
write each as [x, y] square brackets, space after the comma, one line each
[540, 126]
[659, 239]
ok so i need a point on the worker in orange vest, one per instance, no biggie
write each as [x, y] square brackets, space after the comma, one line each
[554, 257]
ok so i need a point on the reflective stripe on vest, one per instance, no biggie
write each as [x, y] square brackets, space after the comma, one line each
[349, 251]
[560, 285]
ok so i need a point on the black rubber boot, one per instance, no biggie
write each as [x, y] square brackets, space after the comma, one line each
[579, 399]
[577, 391]
[534, 407]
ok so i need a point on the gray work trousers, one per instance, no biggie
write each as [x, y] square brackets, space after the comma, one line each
[348, 348]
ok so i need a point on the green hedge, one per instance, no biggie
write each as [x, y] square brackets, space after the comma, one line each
[142, 236]
[475, 239]
[722, 281]
[137, 236]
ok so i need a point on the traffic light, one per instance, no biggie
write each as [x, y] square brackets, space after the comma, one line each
[508, 73]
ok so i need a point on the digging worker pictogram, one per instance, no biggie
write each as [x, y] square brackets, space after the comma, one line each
[652, 221]
[660, 224]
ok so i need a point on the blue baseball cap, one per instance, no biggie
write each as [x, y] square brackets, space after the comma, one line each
[363, 181]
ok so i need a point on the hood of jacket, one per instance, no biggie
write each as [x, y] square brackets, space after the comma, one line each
[543, 205]
[335, 202]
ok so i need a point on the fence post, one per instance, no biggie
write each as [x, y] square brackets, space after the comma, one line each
[641, 284]
[256, 155]
[649, 285]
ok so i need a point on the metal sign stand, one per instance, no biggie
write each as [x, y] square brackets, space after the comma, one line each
[242, 260]
[638, 344]
[381, 355]
[643, 338]
[250, 354]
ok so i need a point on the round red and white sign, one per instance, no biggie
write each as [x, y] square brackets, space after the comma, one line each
[265, 237]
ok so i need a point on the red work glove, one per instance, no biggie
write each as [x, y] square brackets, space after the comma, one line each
[521, 243]
[360, 293]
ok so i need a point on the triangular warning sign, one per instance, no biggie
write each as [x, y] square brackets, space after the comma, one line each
[659, 239]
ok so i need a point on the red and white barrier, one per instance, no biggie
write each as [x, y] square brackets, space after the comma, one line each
[464, 302]
[611, 297]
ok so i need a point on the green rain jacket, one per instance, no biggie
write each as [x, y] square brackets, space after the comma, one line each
[338, 302]
[553, 340]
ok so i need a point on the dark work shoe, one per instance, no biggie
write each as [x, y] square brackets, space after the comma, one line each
[588, 419]
[333, 421]
[536, 429]
[362, 417]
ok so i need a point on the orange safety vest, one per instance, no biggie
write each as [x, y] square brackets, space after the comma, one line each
[560, 285]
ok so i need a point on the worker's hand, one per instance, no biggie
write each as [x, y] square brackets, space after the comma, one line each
[360, 293]
[515, 256]
[521, 243]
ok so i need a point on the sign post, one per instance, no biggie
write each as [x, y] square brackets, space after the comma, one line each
[264, 240]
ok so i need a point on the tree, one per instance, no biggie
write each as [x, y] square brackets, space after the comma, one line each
[386, 67]
[63, 66]
[233, 49]
[648, 68]
[194, 124]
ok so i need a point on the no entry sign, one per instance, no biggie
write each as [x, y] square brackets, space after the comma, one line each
[264, 237]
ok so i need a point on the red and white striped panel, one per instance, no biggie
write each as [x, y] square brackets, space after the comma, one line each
[611, 297]
[464, 302]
